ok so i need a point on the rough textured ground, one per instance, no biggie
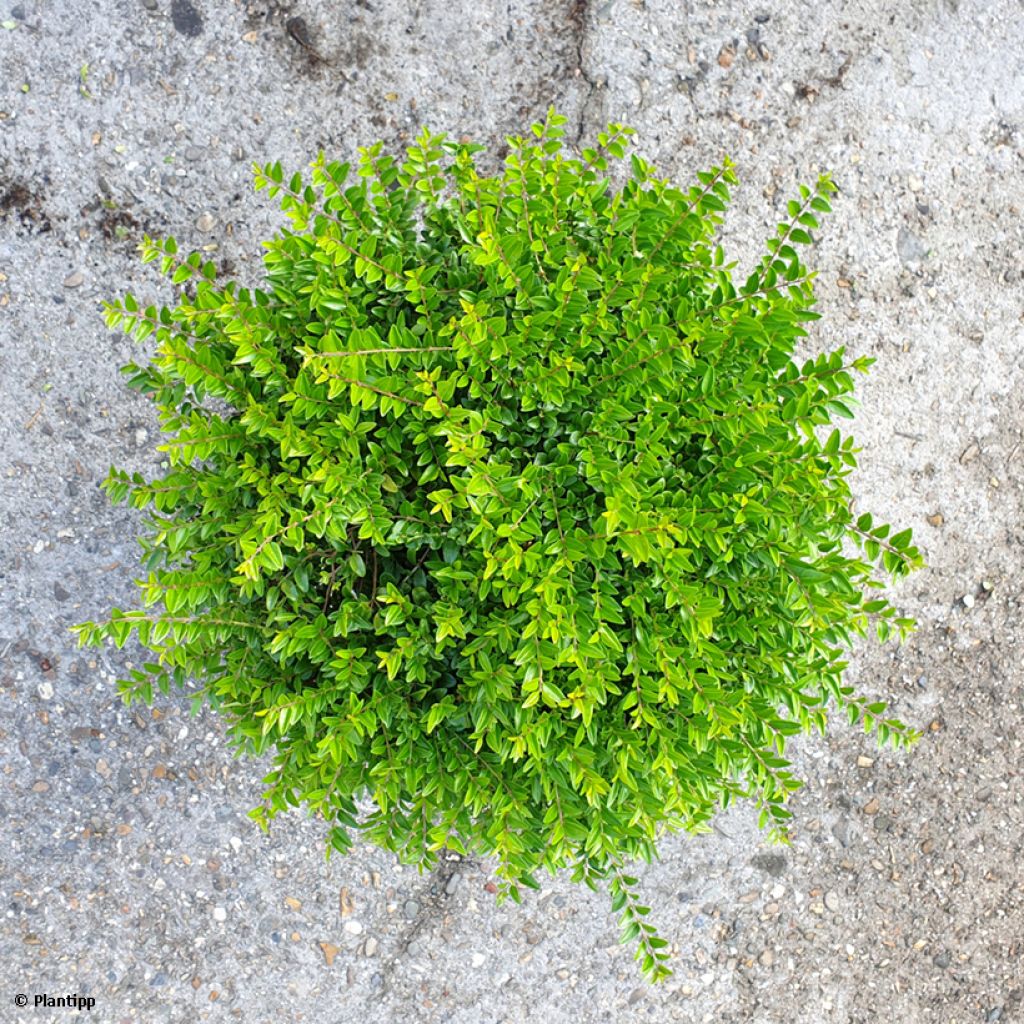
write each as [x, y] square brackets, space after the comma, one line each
[128, 870]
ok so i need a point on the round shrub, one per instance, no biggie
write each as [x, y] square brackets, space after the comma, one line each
[501, 508]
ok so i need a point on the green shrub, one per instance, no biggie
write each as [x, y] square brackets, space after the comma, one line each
[502, 506]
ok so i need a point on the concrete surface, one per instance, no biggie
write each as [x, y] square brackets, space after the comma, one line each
[128, 870]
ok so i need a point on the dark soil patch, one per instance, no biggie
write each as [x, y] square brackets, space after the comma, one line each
[118, 225]
[295, 36]
[20, 204]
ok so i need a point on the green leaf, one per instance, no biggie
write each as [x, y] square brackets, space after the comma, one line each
[496, 516]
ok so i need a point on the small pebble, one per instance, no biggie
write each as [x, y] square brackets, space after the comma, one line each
[453, 884]
[970, 453]
[353, 928]
[370, 947]
[346, 905]
[909, 247]
[411, 908]
[767, 958]
[865, 762]
[968, 600]
[478, 959]
[832, 901]
[45, 691]
[74, 280]
[205, 222]
[186, 19]
[914, 183]
[220, 914]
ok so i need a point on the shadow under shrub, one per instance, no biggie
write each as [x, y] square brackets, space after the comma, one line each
[502, 505]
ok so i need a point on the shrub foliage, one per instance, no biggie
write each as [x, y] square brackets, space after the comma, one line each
[502, 508]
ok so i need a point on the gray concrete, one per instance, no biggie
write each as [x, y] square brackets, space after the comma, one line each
[128, 870]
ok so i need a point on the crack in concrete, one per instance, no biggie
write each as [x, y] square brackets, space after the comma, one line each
[578, 22]
[434, 897]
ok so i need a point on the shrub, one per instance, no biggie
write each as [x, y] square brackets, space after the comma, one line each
[501, 506]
